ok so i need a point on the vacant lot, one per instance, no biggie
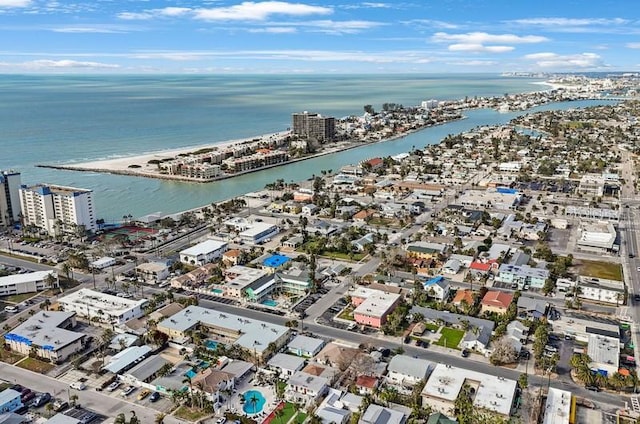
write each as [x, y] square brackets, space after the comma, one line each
[598, 269]
[36, 365]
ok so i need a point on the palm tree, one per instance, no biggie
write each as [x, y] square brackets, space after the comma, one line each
[253, 400]
[49, 408]
[120, 419]
[160, 418]
[187, 380]
[73, 399]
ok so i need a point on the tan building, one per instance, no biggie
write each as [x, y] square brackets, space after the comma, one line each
[496, 301]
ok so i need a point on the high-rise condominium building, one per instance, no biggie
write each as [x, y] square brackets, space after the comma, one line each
[9, 198]
[314, 125]
[56, 209]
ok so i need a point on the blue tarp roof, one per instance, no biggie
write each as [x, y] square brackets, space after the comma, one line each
[275, 261]
[434, 280]
[506, 190]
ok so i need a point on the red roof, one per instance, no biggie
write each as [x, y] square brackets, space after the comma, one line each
[366, 381]
[480, 266]
[498, 299]
[375, 162]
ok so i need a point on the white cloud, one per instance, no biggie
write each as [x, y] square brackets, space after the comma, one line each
[275, 30]
[369, 5]
[483, 37]
[557, 61]
[259, 11]
[15, 3]
[340, 27]
[633, 45]
[96, 29]
[479, 48]
[431, 23]
[565, 22]
[473, 63]
[167, 12]
[58, 64]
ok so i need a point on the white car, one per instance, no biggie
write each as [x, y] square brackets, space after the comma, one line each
[638, 269]
[111, 387]
[127, 391]
[12, 309]
[78, 385]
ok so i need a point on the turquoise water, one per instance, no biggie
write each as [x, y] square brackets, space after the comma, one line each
[218, 291]
[66, 119]
[253, 402]
[210, 344]
[191, 373]
[270, 302]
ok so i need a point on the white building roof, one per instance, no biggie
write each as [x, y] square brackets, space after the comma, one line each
[60, 418]
[102, 262]
[127, 357]
[257, 228]
[112, 305]
[413, 367]
[25, 278]
[305, 343]
[204, 248]
[597, 234]
[376, 414]
[604, 351]
[558, 407]
[492, 392]
[310, 382]
[377, 304]
[253, 334]
[42, 330]
[287, 362]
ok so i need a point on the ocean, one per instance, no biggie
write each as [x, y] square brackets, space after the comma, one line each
[57, 119]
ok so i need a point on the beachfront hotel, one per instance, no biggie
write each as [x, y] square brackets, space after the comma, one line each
[57, 209]
[314, 125]
[9, 198]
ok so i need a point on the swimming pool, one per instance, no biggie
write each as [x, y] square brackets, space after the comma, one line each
[218, 291]
[253, 402]
[270, 302]
[191, 373]
[210, 344]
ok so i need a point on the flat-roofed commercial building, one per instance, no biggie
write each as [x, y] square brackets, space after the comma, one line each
[27, 283]
[253, 335]
[558, 407]
[258, 232]
[604, 353]
[239, 280]
[375, 309]
[492, 198]
[601, 290]
[596, 236]
[49, 332]
[490, 393]
[203, 253]
[57, 209]
[9, 198]
[103, 307]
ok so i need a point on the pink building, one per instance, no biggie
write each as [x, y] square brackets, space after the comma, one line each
[373, 310]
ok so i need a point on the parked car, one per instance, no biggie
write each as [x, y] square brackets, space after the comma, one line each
[127, 391]
[60, 405]
[550, 348]
[11, 309]
[221, 420]
[154, 396]
[42, 399]
[143, 394]
[114, 385]
[78, 385]
[27, 397]
[465, 353]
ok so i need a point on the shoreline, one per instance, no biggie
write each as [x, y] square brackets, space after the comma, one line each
[120, 166]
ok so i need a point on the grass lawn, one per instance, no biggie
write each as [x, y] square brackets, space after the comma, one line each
[190, 414]
[300, 418]
[450, 337]
[17, 298]
[347, 314]
[600, 269]
[10, 357]
[289, 411]
[431, 327]
[344, 256]
[36, 365]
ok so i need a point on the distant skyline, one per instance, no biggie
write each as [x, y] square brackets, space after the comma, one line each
[221, 36]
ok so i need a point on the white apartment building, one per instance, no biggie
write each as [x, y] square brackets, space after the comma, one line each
[26, 283]
[57, 209]
[601, 290]
[596, 237]
[203, 253]
[9, 198]
[49, 333]
[104, 307]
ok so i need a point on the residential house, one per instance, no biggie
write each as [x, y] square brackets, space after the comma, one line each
[496, 301]
[367, 384]
[530, 307]
[364, 215]
[232, 257]
[376, 414]
[437, 288]
[517, 334]
[463, 296]
[310, 209]
[285, 364]
[305, 388]
[332, 410]
[452, 266]
[305, 346]
[362, 243]
[406, 371]
[213, 381]
[424, 250]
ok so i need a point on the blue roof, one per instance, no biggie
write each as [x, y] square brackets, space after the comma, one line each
[506, 190]
[275, 261]
[434, 280]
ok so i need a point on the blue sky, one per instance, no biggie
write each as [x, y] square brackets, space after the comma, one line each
[337, 36]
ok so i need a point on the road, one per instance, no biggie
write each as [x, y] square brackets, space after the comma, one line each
[90, 399]
[453, 358]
